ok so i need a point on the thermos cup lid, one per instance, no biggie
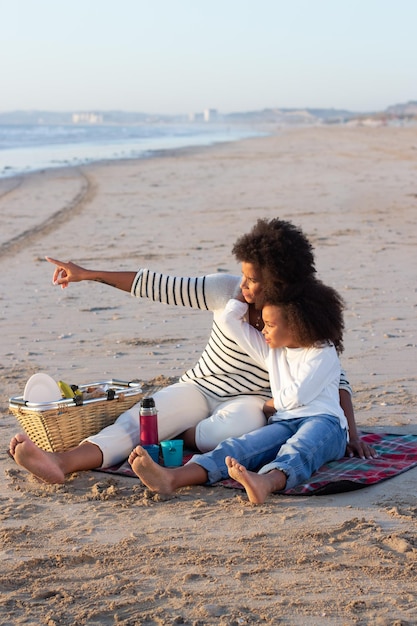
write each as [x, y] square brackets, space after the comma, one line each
[148, 403]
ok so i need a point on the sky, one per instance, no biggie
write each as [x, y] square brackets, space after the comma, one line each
[184, 56]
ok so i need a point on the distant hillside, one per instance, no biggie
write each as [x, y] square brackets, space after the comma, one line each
[35, 117]
[291, 116]
[284, 116]
[403, 110]
[68, 117]
[265, 116]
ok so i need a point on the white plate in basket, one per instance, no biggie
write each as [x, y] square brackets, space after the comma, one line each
[41, 388]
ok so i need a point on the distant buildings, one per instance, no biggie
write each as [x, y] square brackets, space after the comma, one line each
[196, 117]
[87, 118]
[208, 115]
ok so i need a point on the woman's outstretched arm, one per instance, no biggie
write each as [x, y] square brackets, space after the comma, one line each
[69, 272]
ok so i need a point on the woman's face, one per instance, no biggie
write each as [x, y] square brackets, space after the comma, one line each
[251, 283]
[276, 331]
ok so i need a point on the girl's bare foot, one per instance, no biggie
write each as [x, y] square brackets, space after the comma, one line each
[42, 464]
[155, 477]
[258, 486]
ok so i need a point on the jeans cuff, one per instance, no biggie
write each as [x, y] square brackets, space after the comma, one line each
[275, 466]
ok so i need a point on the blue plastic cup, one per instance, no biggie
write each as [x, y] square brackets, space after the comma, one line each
[153, 451]
[172, 452]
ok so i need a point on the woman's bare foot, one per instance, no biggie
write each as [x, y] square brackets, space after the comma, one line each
[42, 464]
[258, 486]
[155, 477]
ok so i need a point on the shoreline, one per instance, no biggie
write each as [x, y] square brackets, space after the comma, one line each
[212, 138]
[121, 553]
[10, 184]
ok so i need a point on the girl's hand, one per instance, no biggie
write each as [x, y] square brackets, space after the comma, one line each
[239, 296]
[269, 408]
[358, 447]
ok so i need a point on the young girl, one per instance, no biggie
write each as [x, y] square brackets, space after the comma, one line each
[303, 329]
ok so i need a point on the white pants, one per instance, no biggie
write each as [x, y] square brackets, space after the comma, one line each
[182, 406]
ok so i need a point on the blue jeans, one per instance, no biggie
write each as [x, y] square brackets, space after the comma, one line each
[298, 447]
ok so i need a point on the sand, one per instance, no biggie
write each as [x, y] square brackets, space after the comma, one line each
[101, 549]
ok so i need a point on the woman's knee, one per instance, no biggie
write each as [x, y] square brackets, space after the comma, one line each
[180, 407]
[233, 420]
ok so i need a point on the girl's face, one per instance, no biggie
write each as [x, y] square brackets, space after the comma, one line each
[251, 283]
[276, 331]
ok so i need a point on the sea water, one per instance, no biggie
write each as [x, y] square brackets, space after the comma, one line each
[28, 148]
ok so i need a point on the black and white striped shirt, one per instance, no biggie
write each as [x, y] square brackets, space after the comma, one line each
[224, 369]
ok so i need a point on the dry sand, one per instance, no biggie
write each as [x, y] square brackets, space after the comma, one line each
[100, 549]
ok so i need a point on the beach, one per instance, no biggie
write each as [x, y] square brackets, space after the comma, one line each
[101, 549]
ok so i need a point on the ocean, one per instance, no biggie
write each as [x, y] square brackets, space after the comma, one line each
[29, 148]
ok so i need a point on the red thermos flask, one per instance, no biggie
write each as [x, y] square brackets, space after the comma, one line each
[148, 422]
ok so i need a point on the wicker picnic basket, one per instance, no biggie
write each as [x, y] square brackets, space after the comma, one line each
[58, 426]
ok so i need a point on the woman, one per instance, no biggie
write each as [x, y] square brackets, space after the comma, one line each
[224, 393]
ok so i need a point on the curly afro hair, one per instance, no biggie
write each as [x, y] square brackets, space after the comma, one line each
[279, 250]
[313, 312]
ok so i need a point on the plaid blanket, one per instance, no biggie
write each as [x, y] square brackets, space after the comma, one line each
[396, 454]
